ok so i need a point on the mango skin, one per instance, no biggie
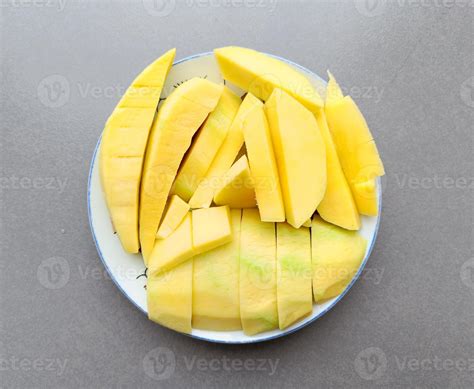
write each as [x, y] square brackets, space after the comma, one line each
[123, 146]
[260, 74]
[177, 120]
[336, 257]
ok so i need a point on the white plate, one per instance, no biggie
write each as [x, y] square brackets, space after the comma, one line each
[128, 271]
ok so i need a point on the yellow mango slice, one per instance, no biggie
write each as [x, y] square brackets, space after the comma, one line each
[259, 74]
[263, 166]
[174, 215]
[123, 145]
[236, 188]
[307, 223]
[258, 294]
[202, 197]
[300, 154]
[355, 145]
[206, 145]
[336, 257]
[177, 120]
[175, 249]
[170, 296]
[211, 228]
[367, 197]
[294, 276]
[216, 284]
[337, 206]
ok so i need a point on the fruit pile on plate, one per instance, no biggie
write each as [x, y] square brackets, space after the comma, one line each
[246, 209]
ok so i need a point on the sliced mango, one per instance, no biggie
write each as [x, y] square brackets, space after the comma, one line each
[178, 119]
[367, 197]
[355, 145]
[336, 257]
[206, 145]
[236, 188]
[174, 215]
[337, 206]
[216, 284]
[211, 228]
[175, 249]
[123, 147]
[259, 74]
[294, 293]
[307, 223]
[170, 297]
[263, 166]
[258, 294]
[202, 197]
[300, 154]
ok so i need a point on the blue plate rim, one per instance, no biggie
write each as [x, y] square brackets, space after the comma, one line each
[288, 332]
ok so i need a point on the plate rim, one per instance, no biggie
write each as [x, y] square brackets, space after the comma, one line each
[249, 341]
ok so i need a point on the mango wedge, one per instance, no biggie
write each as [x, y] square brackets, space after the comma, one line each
[206, 145]
[259, 74]
[337, 206]
[366, 193]
[216, 284]
[202, 197]
[237, 189]
[174, 215]
[355, 145]
[336, 257]
[170, 297]
[294, 276]
[178, 119]
[123, 147]
[211, 228]
[263, 166]
[175, 249]
[300, 154]
[258, 294]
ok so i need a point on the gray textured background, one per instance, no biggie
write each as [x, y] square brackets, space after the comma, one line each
[407, 323]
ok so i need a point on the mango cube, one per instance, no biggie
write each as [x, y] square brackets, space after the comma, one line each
[211, 228]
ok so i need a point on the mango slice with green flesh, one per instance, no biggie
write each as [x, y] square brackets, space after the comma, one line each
[337, 206]
[170, 296]
[202, 197]
[216, 284]
[367, 196]
[177, 120]
[206, 145]
[300, 154]
[336, 257]
[236, 189]
[263, 166]
[175, 249]
[123, 147]
[355, 145]
[174, 215]
[211, 228]
[258, 294]
[294, 276]
[259, 74]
